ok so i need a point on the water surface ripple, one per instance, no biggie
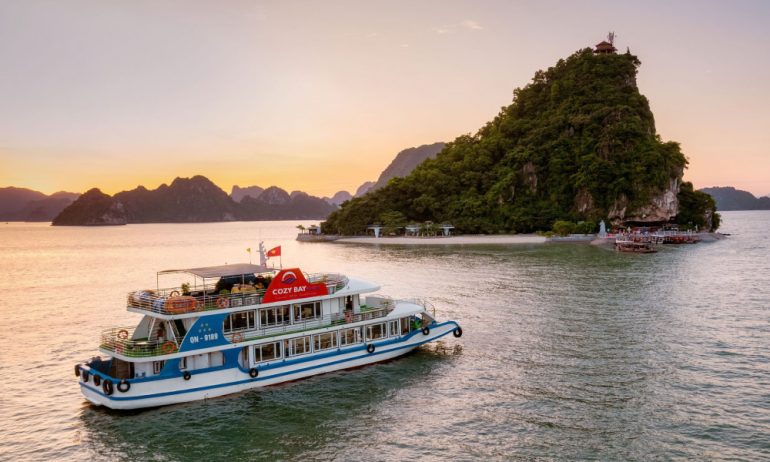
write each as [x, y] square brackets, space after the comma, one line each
[569, 352]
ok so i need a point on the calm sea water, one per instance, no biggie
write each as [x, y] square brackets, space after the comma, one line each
[569, 352]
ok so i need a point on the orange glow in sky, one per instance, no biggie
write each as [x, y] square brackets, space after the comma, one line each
[321, 96]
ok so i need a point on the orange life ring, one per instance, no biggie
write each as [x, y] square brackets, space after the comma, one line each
[122, 334]
[237, 337]
[168, 347]
[222, 302]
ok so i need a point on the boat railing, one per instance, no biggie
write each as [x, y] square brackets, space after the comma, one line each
[120, 340]
[428, 306]
[333, 281]
[388, 301]
[174, 300]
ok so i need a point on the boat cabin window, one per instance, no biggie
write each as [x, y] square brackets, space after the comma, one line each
[274, 316]
[376, 331]
[183, 363]
[405, 326]
[325, 341]
[393, 328]
[157, 366]
[300, 346]
[305, 311]
[350, 336]
[240, 321]
[267, 352]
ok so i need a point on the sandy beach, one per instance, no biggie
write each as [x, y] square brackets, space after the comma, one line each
[451, 240]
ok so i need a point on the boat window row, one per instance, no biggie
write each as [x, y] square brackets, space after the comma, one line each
[288, 348]
[273, 316]
[329, 340]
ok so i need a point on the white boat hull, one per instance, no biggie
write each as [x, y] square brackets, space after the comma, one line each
[216, 383]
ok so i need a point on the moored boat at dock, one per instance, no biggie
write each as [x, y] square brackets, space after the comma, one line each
[635, 246]
[243, 326]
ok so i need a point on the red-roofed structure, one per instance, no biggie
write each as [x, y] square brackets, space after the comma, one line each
[604, 47]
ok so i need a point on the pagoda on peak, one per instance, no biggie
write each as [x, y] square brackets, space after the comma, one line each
[606, 46]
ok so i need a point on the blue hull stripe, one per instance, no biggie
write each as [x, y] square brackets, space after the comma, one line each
[258, 379]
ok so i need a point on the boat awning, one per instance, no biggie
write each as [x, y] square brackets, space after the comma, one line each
[222, 270]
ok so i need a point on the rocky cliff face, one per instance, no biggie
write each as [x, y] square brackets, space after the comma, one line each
[663, 206]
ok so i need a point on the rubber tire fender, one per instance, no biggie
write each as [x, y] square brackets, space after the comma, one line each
[127, 386]
[107, 387]
[84, 374]
[97, 380]
[370, 348]
[253, 372]
[425, 330]
[77, 370]
[458, 332]
[187, 375]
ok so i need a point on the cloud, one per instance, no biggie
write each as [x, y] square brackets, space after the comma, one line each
[467, 25]
[471, 25]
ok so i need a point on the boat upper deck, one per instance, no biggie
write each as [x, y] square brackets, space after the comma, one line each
[211, 296]
[124, 342]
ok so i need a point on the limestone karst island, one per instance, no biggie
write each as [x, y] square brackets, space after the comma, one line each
[578, 144]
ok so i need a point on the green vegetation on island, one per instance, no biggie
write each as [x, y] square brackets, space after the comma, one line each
[577, 144]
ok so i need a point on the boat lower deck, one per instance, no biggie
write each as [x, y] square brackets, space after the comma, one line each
[230, 379]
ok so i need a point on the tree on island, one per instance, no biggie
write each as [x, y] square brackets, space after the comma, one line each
[392, 221]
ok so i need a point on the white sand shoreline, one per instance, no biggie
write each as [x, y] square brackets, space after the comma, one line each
[451, 240]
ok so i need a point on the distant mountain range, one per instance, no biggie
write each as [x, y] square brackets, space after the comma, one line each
[190, 200]
[21, 204]
[339, 197]
[729, 198]
[402, 165]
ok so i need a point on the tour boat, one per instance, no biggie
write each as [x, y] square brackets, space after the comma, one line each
[241, 326]
[635, 246]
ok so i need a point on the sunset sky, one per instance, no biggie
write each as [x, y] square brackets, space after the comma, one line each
[320, 96]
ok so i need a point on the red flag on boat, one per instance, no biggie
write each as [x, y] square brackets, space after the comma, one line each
[274, 252]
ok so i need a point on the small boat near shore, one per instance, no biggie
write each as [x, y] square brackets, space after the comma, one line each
[243, 326]
[635, 246]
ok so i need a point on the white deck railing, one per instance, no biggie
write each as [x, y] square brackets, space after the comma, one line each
[172, 300]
